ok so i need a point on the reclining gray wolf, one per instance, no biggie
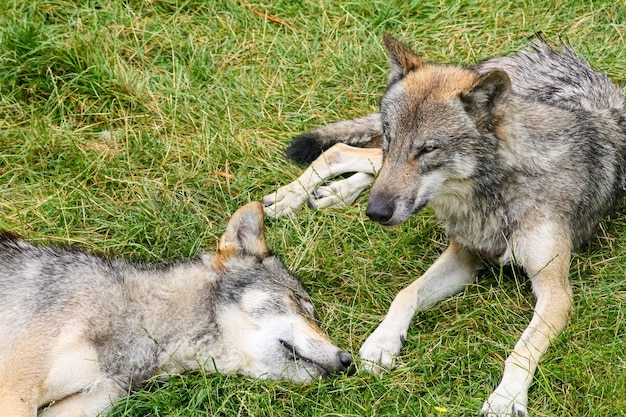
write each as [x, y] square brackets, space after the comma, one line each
[520, 157]
[78, 330]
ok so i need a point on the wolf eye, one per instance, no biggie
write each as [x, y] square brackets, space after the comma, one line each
[425, 150]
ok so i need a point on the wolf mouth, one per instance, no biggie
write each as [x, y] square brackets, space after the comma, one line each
[294, 356]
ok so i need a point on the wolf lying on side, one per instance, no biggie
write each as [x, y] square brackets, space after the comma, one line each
[78, 331]
[520, 157]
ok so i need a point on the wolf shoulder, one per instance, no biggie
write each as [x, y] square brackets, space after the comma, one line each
[561, 117]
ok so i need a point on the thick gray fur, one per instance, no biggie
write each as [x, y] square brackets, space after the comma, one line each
[520, 157]
[79, 330]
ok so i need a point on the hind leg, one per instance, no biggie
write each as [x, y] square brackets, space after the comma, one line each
[339, 159]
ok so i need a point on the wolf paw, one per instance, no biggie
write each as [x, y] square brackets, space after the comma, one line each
[501, 404]
[326, 197]
[341, 193]
[284, 201]
[380, 350]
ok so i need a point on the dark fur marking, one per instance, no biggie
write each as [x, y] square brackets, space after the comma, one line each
[305, 148]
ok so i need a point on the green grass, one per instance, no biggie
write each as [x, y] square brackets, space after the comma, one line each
[119, 118]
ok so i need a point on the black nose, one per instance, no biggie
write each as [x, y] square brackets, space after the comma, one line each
[347, 363]
[379, 211]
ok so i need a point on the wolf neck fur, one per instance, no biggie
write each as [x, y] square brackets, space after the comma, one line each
[164, 294]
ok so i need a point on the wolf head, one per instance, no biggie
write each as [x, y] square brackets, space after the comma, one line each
[266, 319]
[438, 123]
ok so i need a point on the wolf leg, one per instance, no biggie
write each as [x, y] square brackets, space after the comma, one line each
[362, 132]
[89, 403]
[337, 160]
[547, 265]
[449, 275]
[341, 193]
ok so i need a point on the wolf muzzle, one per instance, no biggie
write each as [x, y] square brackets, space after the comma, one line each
[347, 363]
[379, 210]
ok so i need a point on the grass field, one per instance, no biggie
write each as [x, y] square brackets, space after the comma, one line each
[138, 128]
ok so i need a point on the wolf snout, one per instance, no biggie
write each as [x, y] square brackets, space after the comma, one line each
[341, 363]
[379, 211]
[346, 363]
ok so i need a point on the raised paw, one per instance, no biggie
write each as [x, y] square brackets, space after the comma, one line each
[502, 404]
[380, 349]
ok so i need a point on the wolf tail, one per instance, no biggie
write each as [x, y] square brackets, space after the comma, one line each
[362, 132]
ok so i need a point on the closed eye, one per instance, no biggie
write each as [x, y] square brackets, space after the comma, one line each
[425, 150]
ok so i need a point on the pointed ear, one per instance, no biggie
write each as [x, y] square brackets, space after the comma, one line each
[245, 233]
[486, 97]
[402, 59]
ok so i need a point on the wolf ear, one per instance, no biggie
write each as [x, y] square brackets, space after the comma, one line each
[483, 102]
[402, 59]
[245, 233]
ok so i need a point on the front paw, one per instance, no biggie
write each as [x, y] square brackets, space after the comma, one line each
[502, 404]
[380, 349]
[284, 202]
[326, 197]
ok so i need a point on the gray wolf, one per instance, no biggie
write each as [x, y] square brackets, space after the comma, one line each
[77, 330]
[519, 157]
